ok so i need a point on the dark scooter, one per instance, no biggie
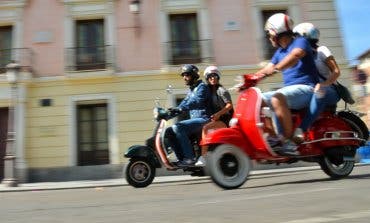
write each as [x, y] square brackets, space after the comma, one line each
[144, 159]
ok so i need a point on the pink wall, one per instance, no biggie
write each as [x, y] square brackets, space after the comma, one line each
[233, 47]
[47, 17]
[137, 42]
[138, 48]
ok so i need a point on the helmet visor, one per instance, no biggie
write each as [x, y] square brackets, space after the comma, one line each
[213, 75]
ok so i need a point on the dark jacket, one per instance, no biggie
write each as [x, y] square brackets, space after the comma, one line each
[197, 101]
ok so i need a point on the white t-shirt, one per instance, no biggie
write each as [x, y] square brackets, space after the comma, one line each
[322, 54]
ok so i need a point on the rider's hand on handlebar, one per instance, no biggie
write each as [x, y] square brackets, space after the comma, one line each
[215, 117]
[174, 111]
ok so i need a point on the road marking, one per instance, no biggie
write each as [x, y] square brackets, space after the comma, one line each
[339, 217]
[264, 196]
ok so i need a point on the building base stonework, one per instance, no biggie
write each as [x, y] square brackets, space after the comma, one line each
[99, 172]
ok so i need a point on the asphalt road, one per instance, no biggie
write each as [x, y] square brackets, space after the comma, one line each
[298, 197]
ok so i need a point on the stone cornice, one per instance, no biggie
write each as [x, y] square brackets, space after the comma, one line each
[12, 3]
[84, 1]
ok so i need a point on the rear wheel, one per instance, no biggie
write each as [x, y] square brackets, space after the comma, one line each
[139, 172]
[228, 166]
[338, 170]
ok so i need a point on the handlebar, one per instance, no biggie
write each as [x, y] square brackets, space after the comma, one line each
[247, 81]
[250, 80]
[173, 112]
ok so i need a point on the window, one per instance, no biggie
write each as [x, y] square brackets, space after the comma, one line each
[185, 43]
[89, 41]
[268, 48]
[5, 46]
[90, 49]
[92, 135]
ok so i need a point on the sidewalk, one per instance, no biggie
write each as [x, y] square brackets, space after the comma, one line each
[122, 182]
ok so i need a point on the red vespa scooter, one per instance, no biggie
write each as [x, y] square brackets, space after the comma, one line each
[331, 141]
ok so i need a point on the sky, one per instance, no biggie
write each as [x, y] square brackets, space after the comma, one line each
[354, 22]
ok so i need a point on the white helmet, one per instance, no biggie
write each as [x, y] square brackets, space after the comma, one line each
[278, 23]
[211, 70]
[307, 30]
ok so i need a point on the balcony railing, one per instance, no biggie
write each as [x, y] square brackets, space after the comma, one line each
[22, 56]
[89, 58]
[182, 52]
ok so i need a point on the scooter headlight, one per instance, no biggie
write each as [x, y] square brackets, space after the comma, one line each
[155, 113]
[233, 122]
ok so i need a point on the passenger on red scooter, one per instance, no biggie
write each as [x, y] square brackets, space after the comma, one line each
[325, 93]
[222, 107]
[197, 102]
[294, 57]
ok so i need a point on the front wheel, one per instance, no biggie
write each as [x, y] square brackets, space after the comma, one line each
[336, 171]
[139, 172]
[228, 166]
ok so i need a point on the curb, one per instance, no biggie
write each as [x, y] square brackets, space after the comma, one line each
[100, 184]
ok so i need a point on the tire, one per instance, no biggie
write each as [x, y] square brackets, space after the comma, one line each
[228, 166]
[336, 171]
[139, 172]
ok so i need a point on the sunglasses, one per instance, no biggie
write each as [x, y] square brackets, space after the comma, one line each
[269, 35]
[213, 75]
[186, 74]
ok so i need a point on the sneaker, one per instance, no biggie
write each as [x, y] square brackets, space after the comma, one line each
[274, 141]
[201, 161]
[186, 163]
[289, 149]
[298, 136]
[172, 157]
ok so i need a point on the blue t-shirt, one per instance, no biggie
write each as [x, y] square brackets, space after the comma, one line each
[304, 71]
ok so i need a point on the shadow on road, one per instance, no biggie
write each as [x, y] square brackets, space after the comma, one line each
[310, 181]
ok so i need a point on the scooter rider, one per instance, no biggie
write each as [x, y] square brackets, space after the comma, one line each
[294, 57]
[325, 93]
[221, 104]
[197, 102]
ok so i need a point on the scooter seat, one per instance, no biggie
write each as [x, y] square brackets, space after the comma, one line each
[329, 108]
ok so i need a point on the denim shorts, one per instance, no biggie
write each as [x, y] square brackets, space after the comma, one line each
[298, 96]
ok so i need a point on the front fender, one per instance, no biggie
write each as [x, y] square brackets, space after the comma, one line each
[143, 151]
[231, 136]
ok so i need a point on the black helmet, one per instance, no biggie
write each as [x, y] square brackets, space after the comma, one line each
[190, 69]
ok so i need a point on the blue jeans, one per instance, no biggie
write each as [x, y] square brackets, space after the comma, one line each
[318, 104]
[183, 130]
[297, 96]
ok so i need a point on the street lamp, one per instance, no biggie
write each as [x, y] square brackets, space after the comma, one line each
[12, 72]
[135, 6]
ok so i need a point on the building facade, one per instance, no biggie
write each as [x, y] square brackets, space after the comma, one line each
[91, 69]
[364, 59]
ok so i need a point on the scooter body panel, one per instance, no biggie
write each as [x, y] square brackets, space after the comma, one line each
[232, 136]
[247, 112]
[248, 133]
[143, 151]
